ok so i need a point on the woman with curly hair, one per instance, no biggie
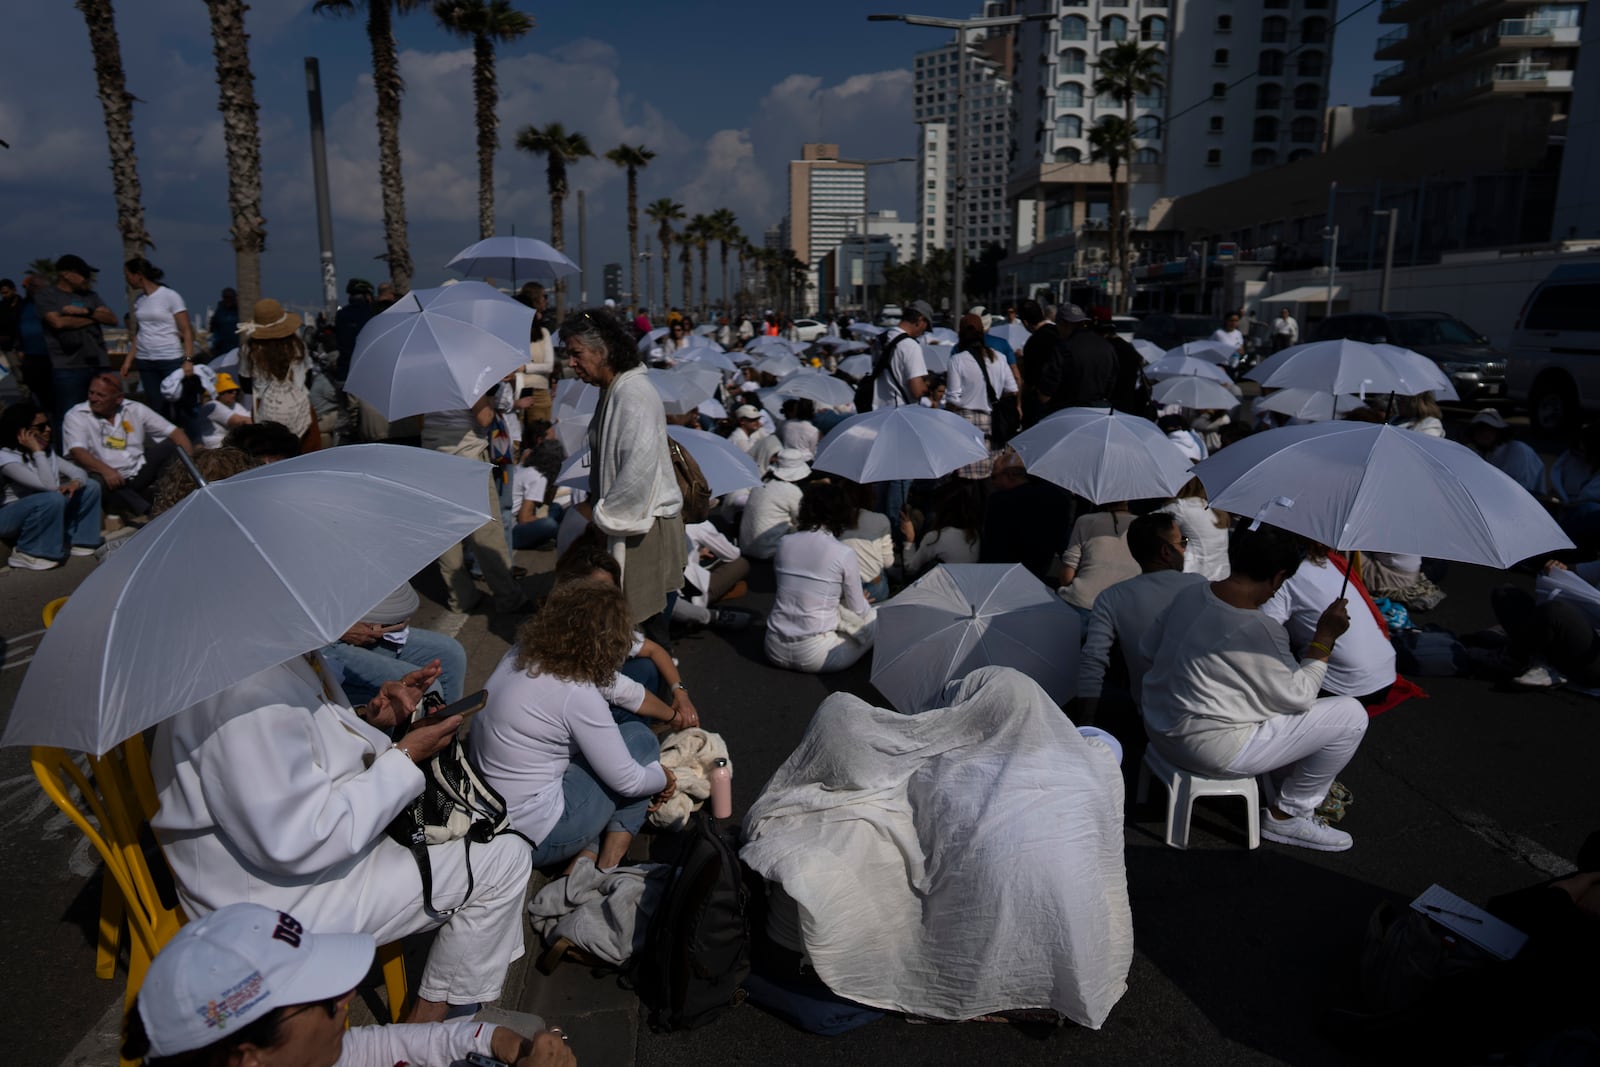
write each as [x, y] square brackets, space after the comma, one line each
[546, 739]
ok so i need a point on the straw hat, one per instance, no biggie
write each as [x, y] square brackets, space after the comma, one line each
[269, 321]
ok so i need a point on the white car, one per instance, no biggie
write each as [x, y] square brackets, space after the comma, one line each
[809, 330]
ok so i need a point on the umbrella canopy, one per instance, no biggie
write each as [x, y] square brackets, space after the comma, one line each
[1353, 485]
[1346, 366]
[777, 364]
[713, 408]
[1422, 369]
[1179, 366]
[892, 444]
[1149, 350]
[1103, 456]
[575, 396]
[679, 393]
[1013, 333]
[153, 629]
[726, 468]
[1312, 405]
[1215, 351]
[706, 357]
[865, 329]
[520, 259]
[706, 330]
[855, 366]
[936, 357]
[1197, 394]
[706, 377]
[438, 349]
[572, 430]
[648, 341]
[822, 389]
[943, 335]
[960, 617]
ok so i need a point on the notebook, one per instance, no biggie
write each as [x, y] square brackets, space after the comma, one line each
[1471, 922]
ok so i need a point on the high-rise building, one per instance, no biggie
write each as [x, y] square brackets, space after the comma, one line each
[986, 139]
[825, 194]
[612, 273]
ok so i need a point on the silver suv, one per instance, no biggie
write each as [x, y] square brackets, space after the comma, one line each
[1555, 350]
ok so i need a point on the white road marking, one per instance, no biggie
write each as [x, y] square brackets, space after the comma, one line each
[449, 624]
[1523, 848]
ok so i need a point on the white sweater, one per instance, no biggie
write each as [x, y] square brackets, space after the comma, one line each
[1122, 615]
[1363, 659]
[630, 476]
[769, 515]
[1207, 553]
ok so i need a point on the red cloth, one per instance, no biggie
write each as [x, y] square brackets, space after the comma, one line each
[1403, 689]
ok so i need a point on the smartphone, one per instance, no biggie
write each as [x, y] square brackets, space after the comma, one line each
[527, 392]
[466, 707]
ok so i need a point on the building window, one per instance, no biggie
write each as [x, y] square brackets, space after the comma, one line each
[1224, 23]
[1073, 61]
[1307, 97]
[1068, 155]
[1147, 155]
[1219, 58]
[1271, 64]
[1114, 28]
[1274, 30]
[1215, 125]
[1068, 126]
[1269, 97]
[1263, 157]
[1265, 129]
[1309, 64]
[1074, 28]
[1147, 128]
[1303, 130]
[1213, 157]
[1313, 31]
[1219, 90]
[1155, 28]
[1154, 100]
[1069, 94]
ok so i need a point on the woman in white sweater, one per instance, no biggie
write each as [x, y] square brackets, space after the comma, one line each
[774, 505]
[546, 739]
[1204, 528]
[820, 619]
[48, 505]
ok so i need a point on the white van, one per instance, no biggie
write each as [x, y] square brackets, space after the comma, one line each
[1554, 366]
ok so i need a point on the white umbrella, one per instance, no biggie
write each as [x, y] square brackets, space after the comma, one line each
[158, 626]
[943, 335]
[1197, 394]
[893, 444]
[648, 341]
[1422, 369]
[576, 396]
[1179, 366]
[575, 471]
[958, 618]
[1312, 405]
[706, 377]
[1013, 333]
[438, 349]
[521, 259]
[778, 364]
[726, 468]
[855, 366]
[1353, 485]
[1103, 456]
[833, 342]
[936, 357]
[705, 356]
[865, 329]
[1346, 366]
[679, 393]
[1149, 350]
[706, 330]
[823, 389]
[572, 430]
[1215, 351]
[713, 408]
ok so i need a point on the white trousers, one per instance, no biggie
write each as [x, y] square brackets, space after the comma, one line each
[1303, 753]
[820, 653]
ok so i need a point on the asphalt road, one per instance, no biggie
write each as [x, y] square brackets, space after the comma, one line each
[1477, 788]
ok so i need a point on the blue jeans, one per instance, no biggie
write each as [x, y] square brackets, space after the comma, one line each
[535, 533]
[877, 589]
[588, 806]
[643, 671]
[366, 669]
[893, 495]
[152, 372]
[71, 385]
[44, 524]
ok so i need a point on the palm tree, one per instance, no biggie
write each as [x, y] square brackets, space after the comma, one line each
[117, 104]
[1125, 72]
[44, 268]
[1111, 141]
[487, 23]
[664, 213]
[387, 86]
[632, 158]
[725, 231]
[241, 139]
[686, 259]
[700, 233]
[558, 148]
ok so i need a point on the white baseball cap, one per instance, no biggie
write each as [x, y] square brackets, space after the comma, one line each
[747, 411]
[236, 965]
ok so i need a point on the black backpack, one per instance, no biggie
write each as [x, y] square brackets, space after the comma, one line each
[697, 952]
[865, 387]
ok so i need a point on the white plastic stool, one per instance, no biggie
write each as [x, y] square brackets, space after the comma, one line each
[1182, 789]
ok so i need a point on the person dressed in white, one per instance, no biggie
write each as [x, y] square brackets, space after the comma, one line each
[1489, 435]
[249, 984]
[1096, 556]
[867, 535]
[1232, 336]
[977, 373]
[547, 742]
[749, 430]
[225, 412]
[904, 379]
[1124, 613]
[1285, 331]
[1419, 414]
[277, 792]
[109, 436]
[1225, 696]
[820, 619]
[163, 339]
[799, 432]
[774, 506]
[1205, 531]
[713, 570]
[953, 535]
[1362, 662]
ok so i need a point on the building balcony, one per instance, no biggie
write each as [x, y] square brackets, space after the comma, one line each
[1387, 75]
[1393, 45]
[1502, 41]
[1539, 31]
[1527, 78]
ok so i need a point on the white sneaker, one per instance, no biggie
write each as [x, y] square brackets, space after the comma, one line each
[1304, 832]
[1540, 676]
[85, 550]
[24, 561]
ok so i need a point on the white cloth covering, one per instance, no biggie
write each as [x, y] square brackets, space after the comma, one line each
[961, 861]
[1363, 659]
[604, 913]
[688, 754]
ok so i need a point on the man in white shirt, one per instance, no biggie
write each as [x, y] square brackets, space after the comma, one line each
[750, 429]
[1285, 331]
[105, 435]
[905, 374]
[1231, 335]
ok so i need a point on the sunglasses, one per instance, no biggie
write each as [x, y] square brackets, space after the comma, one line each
[331, 1006]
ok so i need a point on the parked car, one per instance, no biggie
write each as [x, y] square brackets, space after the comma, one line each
[1127, 326]
[1475, 367]
[890, 315]
[809, 330]
[1554, 365]
[1170, 331]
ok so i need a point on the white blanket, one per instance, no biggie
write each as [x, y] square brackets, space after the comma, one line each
[689, 755]
[958, 862]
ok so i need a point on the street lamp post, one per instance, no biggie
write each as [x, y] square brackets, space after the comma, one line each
[1388, 255]
[961, 26]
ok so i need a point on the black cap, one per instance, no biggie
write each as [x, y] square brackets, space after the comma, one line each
[74, 264]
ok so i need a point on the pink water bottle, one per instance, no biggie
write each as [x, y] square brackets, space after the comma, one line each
[721, 789]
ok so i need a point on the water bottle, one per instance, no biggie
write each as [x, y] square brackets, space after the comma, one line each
[721, 789]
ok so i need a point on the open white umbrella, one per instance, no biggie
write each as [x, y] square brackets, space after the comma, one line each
[680, 394]
[713, 408]
[960, 617]
[1180, 366]
[706, 357]
[1103, 456]
[777, 364]
[1353, 485]
[572, 430]
[518, 259]
[1013, 333]
[936, 357]
[823, 389]
[855, 366]
[865, 329]
[573, 395]
[726, 468]
[239, 576]
[703, 375]
[438, 349]
[705, 330]
[1197, 394]
[1215, 351]
[1346, 366]
[893, 444]
[943, 335]
[1422, 369]
[650, 339]
[1148, 350]
[1312, 405]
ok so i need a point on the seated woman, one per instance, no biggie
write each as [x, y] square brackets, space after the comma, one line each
[867, 535]
[1225, 697]
[1552, 642]
[1490, 436]
[1419, 414]
[48, 505]
[385, 647]
[820, 619]
[1361, 664]
[533, 490]
[799, 432]
[223, 413]
[1205, 530]
[951, 535]
[1097, 556]
[774, 505]
[547, 742]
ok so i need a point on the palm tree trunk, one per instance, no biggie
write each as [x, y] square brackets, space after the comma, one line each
[1124, 244]
[686, 258]
[727, 301]
[117, 104]
[666, 270]
[388, 86]
[556, 172]
[704, 273]
[633, 239]
[241, 138]
[487, 95]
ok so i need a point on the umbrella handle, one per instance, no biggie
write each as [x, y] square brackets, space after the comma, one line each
[194, 472]
[1345, 585]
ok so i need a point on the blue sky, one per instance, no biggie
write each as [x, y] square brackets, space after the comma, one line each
[724, 92]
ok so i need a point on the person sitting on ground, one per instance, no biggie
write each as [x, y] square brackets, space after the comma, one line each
[1097, 556]
[953, 534]
[715, 571]
[49, 506]
[1204, 529]
[250, 985]
[108, 436]
[774, 506]
[385, 647]
[1575, 474]
[263, 442]
[1490, 436]
[1361, 665]
[799, 431]
[748, 429]
[1112, 664]
[820, 620]
[867, 535]
[547, 742]
[1176, 427]
[533, 490]
[1420, 414]
[224, 413]
[1026, 520]
[1225, 696]
[1550, 640]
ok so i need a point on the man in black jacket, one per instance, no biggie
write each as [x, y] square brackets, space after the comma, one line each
[1039, 352]
[1083, 371]
[1131, 392]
